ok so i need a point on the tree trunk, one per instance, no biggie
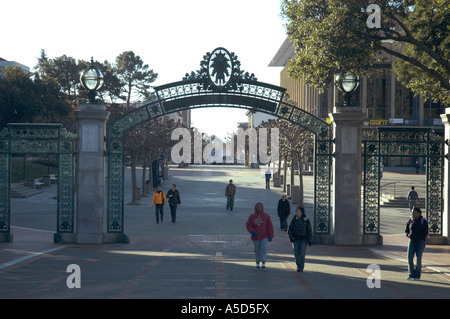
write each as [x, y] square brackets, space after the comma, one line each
[150, 175]
[133, 180]
[285, 173]
[300, 175]
[143, 188]
[292, 172]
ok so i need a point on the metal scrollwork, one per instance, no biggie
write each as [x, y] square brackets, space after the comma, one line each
[416, 142]
[220, 82]
[39, 139]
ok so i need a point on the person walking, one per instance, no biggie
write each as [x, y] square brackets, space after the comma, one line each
[268, 175]
[417, 232]
[283, 209]
[174, 201]
[260, 226]
[230, 191]
[300, 235]
[412, 198]
[159, 199]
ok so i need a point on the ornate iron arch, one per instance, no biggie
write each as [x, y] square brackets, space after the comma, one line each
[219, 83]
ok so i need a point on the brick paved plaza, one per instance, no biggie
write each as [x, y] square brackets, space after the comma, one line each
[207, 253]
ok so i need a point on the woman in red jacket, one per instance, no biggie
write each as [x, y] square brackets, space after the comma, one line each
[260, 226]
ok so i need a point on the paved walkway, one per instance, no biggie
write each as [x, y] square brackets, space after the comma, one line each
[207, 254]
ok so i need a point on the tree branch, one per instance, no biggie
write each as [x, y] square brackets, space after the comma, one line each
[443, 81]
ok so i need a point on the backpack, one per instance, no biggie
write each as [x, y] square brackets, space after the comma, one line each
[413, 195]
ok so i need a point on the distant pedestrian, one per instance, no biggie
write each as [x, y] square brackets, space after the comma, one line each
[300, 235]
[417, 167]
[230, 191]
[417, 232]
[260, 226]
[159, 201]
[412, 198]
[174, 200]
[268, 175]
[381, 170]
[283, 210]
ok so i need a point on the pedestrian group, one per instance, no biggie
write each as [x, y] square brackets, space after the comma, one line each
[299, 230]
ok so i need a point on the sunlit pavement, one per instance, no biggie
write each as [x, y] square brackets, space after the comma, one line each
[208, 253]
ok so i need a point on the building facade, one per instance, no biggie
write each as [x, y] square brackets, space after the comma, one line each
[384, 100]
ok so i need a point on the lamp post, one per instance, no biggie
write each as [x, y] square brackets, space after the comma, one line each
[347, 118]
[90, 170]
[347, 83]
[92, 80]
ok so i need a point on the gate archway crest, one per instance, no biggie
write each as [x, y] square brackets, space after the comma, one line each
[200, 90]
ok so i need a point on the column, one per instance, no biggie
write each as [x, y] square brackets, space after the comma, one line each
[90, 173]
[446, 192]
[346, 217]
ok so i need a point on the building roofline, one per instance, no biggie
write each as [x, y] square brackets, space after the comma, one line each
[285, 52]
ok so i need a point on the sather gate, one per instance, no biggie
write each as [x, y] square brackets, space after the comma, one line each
[220, 82]
[339, 150]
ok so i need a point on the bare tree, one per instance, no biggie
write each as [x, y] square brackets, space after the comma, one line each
[295, 143]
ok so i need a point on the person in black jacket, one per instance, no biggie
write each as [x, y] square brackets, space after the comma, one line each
[300, 234]
[174, 200]
[417, 232]
[283, 209]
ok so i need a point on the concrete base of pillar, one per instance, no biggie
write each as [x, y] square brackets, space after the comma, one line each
[89, 238]
[372, 240]
[6, 237]
[438, 240]
[347, 240]
[113, 238]
[64, 238]
[320, 239]
[86, 238]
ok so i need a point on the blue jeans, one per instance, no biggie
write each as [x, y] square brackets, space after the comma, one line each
[415, 248]
[260, 250]
[230, 202]
[159, 211]
[299, 252]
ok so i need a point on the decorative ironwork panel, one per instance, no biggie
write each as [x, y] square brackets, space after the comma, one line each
[5, 202]
[39, 139]
[115, 189]
[128, 121]
[407, 142]
[66, 190]
[371, 180]
[435, 182]
[322, 196]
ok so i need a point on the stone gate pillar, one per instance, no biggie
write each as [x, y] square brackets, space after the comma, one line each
[90, 173]
[446, 191]
[346, 217]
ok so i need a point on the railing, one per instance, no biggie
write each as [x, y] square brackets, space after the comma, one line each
[381, 187]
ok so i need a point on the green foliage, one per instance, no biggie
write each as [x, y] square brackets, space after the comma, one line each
[33, 170]
[134, 75]
[332, 36]
[27, 99]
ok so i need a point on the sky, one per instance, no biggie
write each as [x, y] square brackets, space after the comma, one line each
[170, 36]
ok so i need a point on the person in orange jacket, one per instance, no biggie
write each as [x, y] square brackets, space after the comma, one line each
[159, 199]
[260, 226]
